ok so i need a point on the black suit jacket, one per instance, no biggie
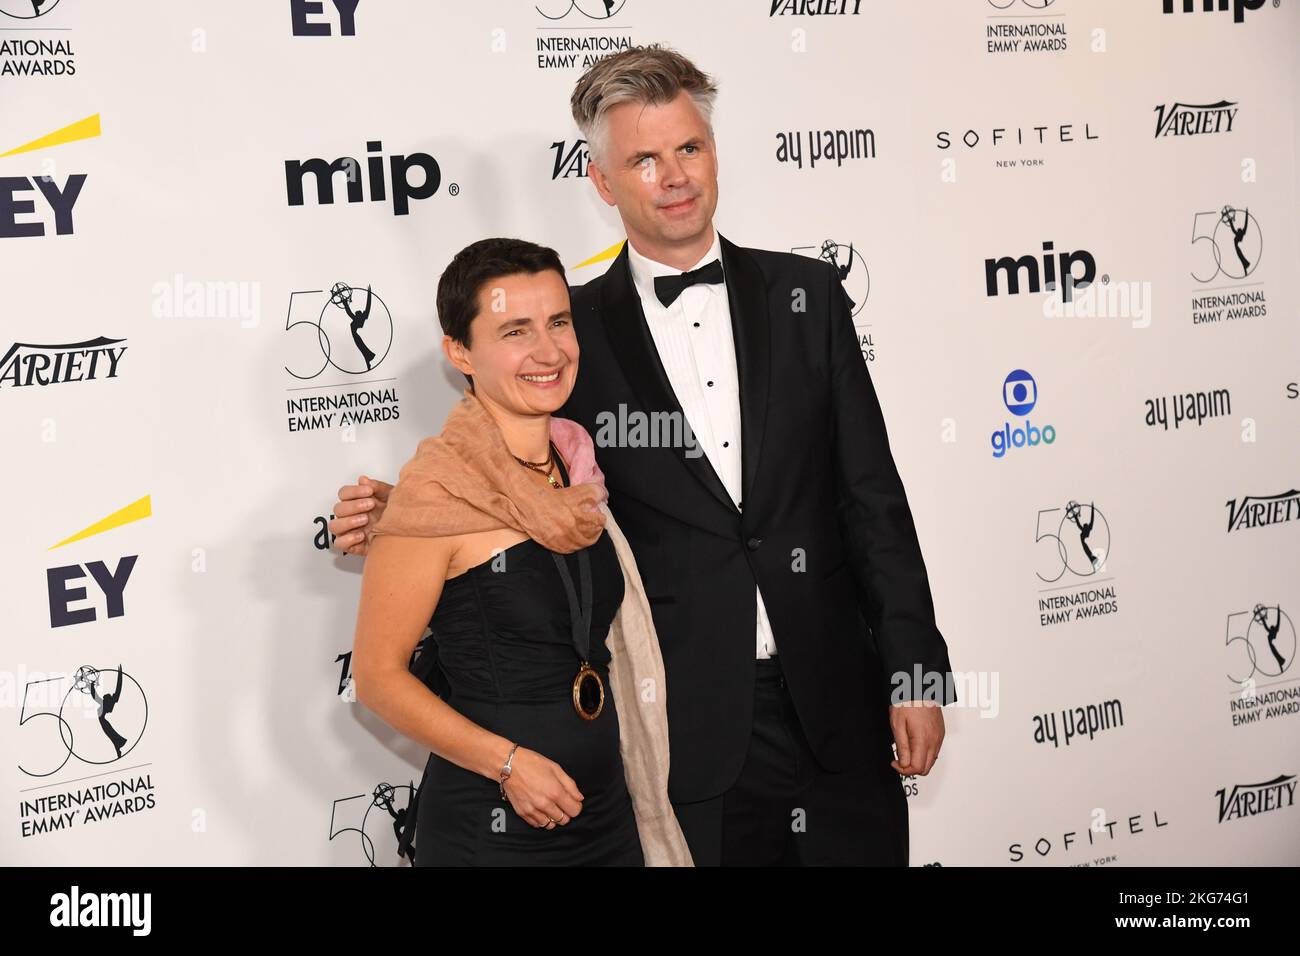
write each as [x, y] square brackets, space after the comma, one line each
[825, 530]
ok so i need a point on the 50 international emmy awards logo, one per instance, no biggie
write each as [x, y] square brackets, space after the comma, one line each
[95, 715]
[27, 9]
[592, 9]
[1262, 648]
[1075, 565]
[1082, 539]
[1232, 239]
[353, 334]
[354, 331]
[849, 266]
[377, 819]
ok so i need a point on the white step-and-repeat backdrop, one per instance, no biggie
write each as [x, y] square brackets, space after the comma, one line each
[1069, 228]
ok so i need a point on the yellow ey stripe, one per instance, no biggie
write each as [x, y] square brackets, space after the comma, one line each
[135, 511]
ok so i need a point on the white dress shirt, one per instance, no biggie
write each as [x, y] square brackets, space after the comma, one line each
[694, 340]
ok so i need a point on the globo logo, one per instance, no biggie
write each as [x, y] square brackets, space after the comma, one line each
[1020, 395]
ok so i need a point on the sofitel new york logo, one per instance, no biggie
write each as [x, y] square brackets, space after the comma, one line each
[350, 331]
[33, 55]
[96, 716]
[1024, 27]
[1007, 145]
[1101, 832]
[1262, 645]
[1252, 799]
[26, 363]
[576, 33]
[1229, 245]
[1074, 544]
[855, 279]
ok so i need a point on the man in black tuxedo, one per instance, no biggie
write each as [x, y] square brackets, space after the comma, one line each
[771, 529]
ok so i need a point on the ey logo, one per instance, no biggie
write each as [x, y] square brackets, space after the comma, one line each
[303, 27]
[58, 199]
[64, 593]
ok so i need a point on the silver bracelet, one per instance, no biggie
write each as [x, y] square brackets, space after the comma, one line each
[505, 771]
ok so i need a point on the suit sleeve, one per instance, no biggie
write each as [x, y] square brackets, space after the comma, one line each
[876, 522]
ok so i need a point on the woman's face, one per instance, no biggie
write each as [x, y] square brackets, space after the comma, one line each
[523, 353]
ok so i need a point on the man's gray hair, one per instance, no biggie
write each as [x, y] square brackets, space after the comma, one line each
[652, 75]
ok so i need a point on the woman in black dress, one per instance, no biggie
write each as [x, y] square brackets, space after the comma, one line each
[525, 765]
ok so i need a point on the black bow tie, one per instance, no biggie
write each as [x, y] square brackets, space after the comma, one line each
[668, 288]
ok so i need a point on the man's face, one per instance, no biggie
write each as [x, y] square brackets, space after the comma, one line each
[523, 352]
[661, 169]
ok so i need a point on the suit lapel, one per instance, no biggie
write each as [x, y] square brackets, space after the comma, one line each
[753, 337]
[629, 336]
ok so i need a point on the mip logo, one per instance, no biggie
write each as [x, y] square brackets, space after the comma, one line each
[27, 9]
[400, 167]
[1056, 269]
[1239, 7]
[303, 27]
[1020, 395]
[591, 9]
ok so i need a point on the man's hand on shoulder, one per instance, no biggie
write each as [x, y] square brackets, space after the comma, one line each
[358, 506]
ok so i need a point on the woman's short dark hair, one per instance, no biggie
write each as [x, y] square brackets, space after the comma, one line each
[478, 264]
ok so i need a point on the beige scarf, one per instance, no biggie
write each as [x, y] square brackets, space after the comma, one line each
[465, 481]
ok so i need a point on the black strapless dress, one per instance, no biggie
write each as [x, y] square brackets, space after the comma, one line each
[504, 645]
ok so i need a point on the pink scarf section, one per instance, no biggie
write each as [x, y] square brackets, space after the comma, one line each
[466, 480]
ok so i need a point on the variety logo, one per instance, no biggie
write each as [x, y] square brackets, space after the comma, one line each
[353, 334]
[399, 167]
[1239, 7]
[1252, 799]
[1061, 265]
[1190, 119]
[26, 363]
[570, 161]
[579, 43]
[302, 10]
[1020, 394]
[814, 8]
[111, 583]
[1260, 512]
[60, 199]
